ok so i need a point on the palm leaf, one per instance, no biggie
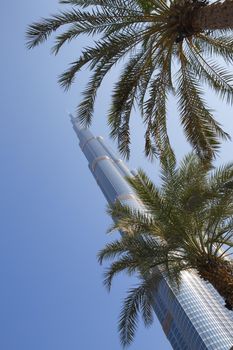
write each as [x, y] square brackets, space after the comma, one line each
[139, 298]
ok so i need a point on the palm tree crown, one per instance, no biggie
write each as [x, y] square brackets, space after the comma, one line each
[166, 47]
[186, 224]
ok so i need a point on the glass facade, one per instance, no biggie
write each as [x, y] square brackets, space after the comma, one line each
[192, 318]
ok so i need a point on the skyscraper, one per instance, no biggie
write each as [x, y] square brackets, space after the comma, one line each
[192, 318]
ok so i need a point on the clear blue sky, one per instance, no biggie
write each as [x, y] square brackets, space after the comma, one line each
[53, 219]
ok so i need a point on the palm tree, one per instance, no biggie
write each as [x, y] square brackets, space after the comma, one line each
[186, 224]
[167, 46]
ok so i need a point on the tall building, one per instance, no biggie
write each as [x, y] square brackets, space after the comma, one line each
[192, 318]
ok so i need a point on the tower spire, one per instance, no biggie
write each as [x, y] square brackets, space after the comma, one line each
[108, 170]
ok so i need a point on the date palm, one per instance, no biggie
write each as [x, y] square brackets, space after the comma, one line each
[166, 47]
[187, 223]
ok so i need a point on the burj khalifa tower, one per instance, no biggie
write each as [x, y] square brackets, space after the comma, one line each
[193, 318]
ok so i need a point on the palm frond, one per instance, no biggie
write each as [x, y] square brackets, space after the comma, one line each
[220, 46]
[38, 32]
[220, 176]
[137, 299]
[124, 98]
[154, 114]
[218, 78]
[124, 264]
[196, 118]
[111, 4]
[107, 50]
[112, 250]
[147, 192]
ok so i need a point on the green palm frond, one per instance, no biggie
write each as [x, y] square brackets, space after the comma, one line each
[220, 46]
[132, 221]
[196, 118]
[116, 5]
[129, 253]
[221, 176]
[103, 51]
[139, 299]
[147, 192]
[111, 250]
[218, 78]
[124, 264]
[154, 110]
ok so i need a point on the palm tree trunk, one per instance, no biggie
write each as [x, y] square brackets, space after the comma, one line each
[214, 16]
[219, 273]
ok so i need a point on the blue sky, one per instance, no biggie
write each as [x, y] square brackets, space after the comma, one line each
[53, 219]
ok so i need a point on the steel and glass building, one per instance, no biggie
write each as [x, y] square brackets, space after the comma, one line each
[194, 317]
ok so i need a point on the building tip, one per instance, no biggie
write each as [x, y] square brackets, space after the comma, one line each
[73, 119]
[71, 116]
[75, 122]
